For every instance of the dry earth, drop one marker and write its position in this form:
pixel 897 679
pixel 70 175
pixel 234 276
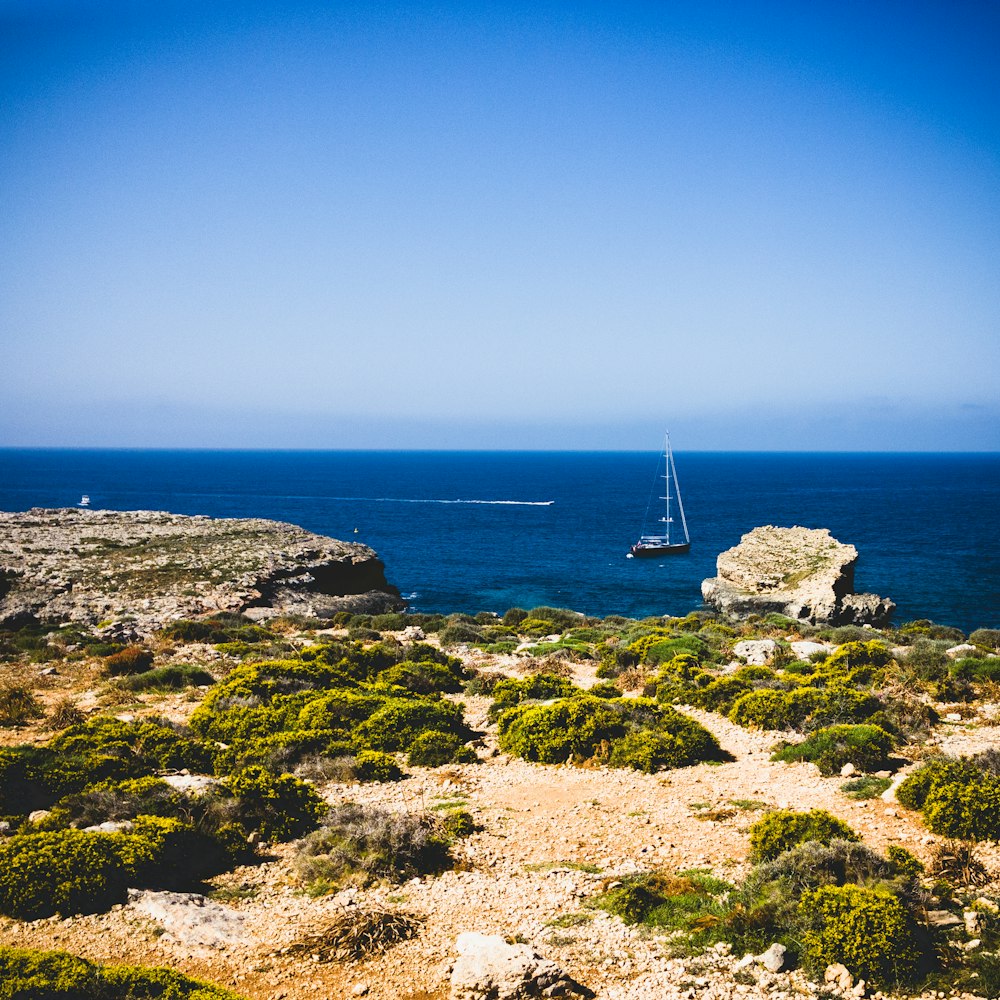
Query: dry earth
pixel 525 875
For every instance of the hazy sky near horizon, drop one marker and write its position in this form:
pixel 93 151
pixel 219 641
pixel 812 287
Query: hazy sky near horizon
pixel 236 224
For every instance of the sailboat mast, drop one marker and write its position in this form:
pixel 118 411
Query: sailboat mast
pixel 680 502
pixel 666 476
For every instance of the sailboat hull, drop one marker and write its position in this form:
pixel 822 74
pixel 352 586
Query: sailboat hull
pixel 652 551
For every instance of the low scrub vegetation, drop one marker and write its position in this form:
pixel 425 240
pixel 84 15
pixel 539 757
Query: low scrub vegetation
pixel 958 798
pixel 578 727
pixel 56 975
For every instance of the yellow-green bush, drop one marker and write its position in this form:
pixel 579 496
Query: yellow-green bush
pixel 866 929
pixel 434 749
pixel 959 798
pixel 626 732
pixel 866 747
pixel 65 871
pixel 783 829
pixel 279 807
pixel 55 975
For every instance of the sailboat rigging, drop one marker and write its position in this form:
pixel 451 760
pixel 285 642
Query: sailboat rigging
pixel 666 540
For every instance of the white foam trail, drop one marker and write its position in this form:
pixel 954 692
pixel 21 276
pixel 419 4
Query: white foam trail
pixel 509 503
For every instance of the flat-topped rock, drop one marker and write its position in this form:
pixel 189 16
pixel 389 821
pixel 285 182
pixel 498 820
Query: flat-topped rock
pixel 803 573
pixel 152 567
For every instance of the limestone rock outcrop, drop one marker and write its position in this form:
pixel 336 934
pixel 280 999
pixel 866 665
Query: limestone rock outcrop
pixel 803 573
pixel 488 968
pixel 147 568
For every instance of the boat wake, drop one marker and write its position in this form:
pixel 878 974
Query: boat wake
pixel 502 503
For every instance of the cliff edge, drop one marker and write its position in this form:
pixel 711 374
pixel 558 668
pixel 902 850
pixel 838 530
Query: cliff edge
pixel 803 573
pixel 152 567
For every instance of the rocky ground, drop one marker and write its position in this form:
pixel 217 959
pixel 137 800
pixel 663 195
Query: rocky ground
pixel 551 837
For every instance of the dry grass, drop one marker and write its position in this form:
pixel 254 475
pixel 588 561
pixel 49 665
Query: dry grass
pixel 356 933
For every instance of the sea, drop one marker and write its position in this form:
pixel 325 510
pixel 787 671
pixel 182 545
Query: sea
pixel 486 531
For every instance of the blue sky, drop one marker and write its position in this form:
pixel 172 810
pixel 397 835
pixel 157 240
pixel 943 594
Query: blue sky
pixel 764 225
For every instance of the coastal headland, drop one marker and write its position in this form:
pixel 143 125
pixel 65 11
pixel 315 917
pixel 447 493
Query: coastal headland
pixel 226 751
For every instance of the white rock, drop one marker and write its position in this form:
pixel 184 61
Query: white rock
pixel 359 989
pixel 973 922
pixel 193 784
pixel 953 717
pixel 803 649
pixel 963 649
pixel 490 969
pixel 839 975
pixel 847 770
pixel 755 651
pixel 110 826
pixel 192 920
pixel 774 958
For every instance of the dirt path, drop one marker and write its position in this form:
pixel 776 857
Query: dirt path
pixel 544 830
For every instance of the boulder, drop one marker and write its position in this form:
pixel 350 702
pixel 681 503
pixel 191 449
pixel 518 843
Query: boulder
pixel 755 651
pixel 962 649
pixel 774 958
pixel 140 570
pixel 488 968
pixel 801 573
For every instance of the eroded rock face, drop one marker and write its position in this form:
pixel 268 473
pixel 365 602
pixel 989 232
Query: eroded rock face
pixel 152 567
pixel 804 573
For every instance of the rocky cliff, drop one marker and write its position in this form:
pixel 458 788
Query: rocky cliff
pixel 151 567
pixel 799 572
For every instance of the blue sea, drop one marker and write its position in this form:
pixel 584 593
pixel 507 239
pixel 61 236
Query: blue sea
pixel 473 531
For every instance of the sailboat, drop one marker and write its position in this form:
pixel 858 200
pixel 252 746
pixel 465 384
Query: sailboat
pixel 667 541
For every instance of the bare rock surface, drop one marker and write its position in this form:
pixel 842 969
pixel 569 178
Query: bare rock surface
pixel 488 968
pixel 804 573
pixel 191 919
pixel 151 567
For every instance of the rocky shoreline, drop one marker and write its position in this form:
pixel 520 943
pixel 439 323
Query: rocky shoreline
pixel 144 569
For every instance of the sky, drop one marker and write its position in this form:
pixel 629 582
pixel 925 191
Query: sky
pixel 761 225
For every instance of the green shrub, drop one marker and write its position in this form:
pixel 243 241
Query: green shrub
pixel 903 862
pixel 866 747
pixel 604 690
pixel 650 751
pixel 18 705
pixel 624 732
pixel 865 787
pixel 398 722
pixel 913 791
pixel 538 687
pixel 456 824
pixel 168 678
pixel 131 660
pixel 964 812
pixel 434 749
pixel 551 734
pixel 365 843
pixel 783 829
pixel 959 798
pixel 425 677
pixel 768 709
pixel 988 638
pixel 139 748
pixel 866 929
pixel 543 686
pixel 55 975
pixel 373 765
pixel 454 635
pixel 66 871
pixel 688 901
pixel 278 807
